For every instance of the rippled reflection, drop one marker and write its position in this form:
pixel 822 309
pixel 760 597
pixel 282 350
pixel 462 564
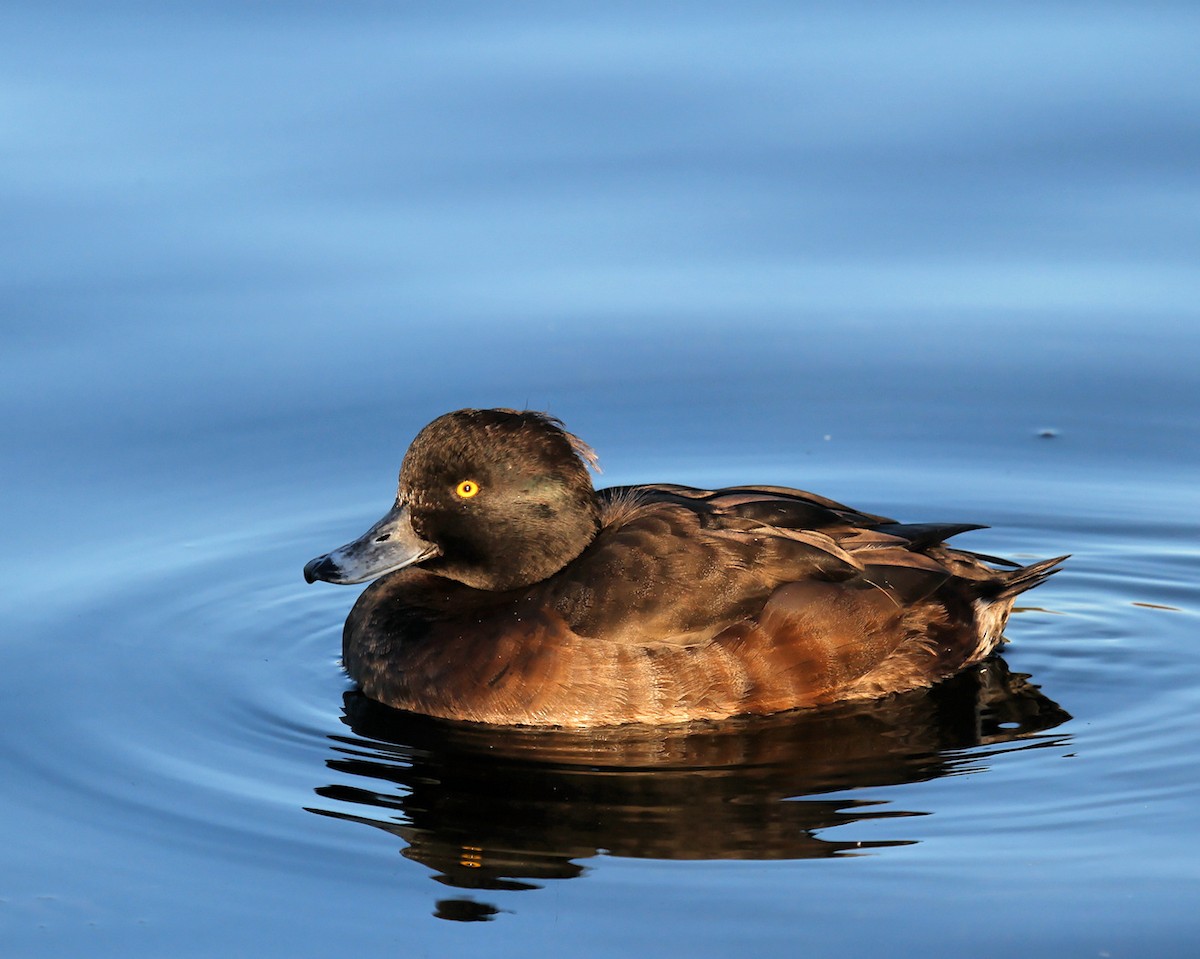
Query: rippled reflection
pixel 505 809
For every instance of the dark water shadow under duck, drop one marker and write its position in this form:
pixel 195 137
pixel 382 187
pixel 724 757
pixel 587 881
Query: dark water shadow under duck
pixel 509 591
pixel 496 808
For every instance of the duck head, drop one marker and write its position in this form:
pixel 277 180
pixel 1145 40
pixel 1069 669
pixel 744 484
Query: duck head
pixel 495 499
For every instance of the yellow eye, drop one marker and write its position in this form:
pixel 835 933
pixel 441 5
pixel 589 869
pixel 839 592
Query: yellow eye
pixel 467 488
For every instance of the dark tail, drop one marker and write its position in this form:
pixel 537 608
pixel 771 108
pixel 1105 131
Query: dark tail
pixel 1028 577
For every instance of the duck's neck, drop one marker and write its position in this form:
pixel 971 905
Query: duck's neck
pixel 535 541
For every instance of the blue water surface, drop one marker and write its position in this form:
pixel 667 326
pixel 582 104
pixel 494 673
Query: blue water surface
pixel 935 260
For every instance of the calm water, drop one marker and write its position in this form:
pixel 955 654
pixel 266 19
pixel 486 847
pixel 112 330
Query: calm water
pixel 938 263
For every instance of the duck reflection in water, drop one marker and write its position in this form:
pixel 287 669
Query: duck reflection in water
pixel 506 809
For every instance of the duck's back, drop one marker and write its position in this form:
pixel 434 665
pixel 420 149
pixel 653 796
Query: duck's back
pixel 691 604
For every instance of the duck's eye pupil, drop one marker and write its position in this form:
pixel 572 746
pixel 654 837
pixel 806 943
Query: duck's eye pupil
pixel 467 488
